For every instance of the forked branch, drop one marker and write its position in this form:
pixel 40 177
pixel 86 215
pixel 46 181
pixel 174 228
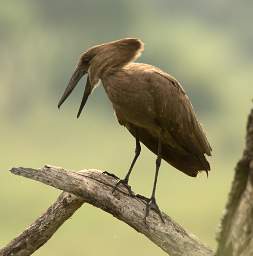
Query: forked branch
pixel 44 227
pixel 95 188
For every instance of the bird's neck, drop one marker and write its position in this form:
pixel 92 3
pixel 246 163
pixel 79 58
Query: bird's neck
pixel 110 61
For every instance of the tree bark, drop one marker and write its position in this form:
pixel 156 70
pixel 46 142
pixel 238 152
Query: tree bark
pixel 92 186
pixel 44 227
pixel 95 188
pixel 236 235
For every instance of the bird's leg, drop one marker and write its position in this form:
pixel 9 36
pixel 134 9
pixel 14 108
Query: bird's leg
pixel 126 179
pixel 151 203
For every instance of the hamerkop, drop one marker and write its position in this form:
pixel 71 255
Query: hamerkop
pixel 150 103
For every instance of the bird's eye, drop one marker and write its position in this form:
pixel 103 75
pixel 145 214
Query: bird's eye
pixel 85 60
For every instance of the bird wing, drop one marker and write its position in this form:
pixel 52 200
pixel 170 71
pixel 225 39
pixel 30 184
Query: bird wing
pixel 184 162
pixel 176 115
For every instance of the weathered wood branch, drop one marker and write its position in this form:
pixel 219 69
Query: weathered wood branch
pixel 236 235
pixel 95 188
pixel 44 227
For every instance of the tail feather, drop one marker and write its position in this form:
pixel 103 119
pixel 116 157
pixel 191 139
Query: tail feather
pixel 185 162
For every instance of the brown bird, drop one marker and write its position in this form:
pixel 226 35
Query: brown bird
pixel 150 103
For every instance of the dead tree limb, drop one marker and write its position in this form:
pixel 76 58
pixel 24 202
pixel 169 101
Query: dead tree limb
pixel 236 235
pixel 44 227
pixel 95 188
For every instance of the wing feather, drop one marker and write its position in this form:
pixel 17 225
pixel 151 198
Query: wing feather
pixel 176 114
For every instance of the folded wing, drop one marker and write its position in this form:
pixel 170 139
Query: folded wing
pixel 184 142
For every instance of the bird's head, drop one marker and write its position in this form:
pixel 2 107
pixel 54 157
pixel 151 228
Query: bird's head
pixel 98 59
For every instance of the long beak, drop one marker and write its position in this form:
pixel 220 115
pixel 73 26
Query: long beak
pixel 86 93
pixel 77 75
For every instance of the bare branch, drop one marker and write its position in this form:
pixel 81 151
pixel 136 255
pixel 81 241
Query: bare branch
pixel 236 235
pixel 96 188
pixel 44 227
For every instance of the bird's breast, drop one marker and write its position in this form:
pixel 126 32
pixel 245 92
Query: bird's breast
pixel 131 99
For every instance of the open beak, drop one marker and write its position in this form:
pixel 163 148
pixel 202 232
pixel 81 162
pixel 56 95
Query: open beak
pixel 86 93
pixel 77 75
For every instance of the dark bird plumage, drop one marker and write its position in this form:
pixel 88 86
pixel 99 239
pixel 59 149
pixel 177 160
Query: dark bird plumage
pixel 150 103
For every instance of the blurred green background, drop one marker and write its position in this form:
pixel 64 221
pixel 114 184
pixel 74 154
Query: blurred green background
pixel 206 45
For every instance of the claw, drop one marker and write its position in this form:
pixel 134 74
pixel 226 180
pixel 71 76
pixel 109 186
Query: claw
pixel 125 183
pixel 151 204
pixel 142 198
pixel 111 174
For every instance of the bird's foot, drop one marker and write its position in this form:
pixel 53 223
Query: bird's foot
pixel 142 198
pixel 125 183
pixel 152 205
pixel 111 174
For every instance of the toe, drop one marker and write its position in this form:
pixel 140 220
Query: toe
pixel 151 204
pixel 110 174
pixel 125 184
